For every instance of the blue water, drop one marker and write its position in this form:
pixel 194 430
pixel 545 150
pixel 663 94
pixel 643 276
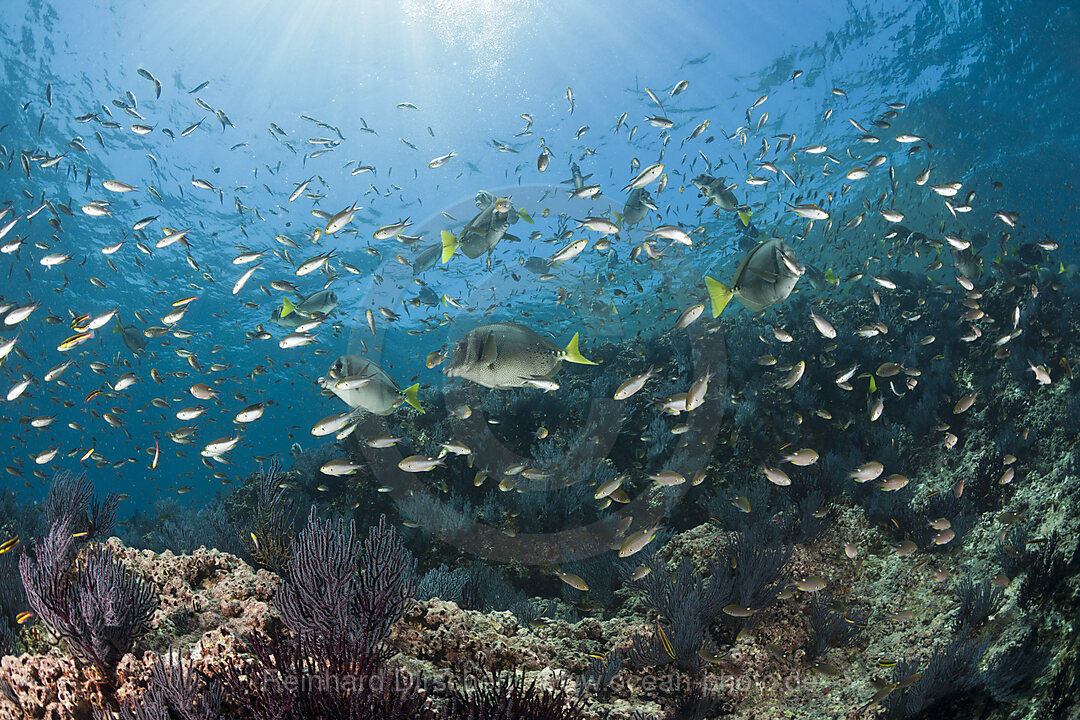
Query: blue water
pixel 994 97
pixel 358 98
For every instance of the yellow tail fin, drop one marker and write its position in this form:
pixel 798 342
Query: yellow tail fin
pixel 745 217
pixel 450 244
pixel 287 307
pixel 573 354
pixel 719 293
pixel 411 396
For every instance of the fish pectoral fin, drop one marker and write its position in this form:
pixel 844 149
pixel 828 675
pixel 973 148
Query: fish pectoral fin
pixel 719 293
pixel 491 351
pixel 764 274
pixel 287 307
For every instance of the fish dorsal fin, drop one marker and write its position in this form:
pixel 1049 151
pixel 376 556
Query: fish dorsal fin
pixel 491 351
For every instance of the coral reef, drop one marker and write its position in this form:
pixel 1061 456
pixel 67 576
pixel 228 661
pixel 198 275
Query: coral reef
pixel 99 612
pixel 823 598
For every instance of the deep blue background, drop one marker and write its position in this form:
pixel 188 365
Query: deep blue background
pixel 991 85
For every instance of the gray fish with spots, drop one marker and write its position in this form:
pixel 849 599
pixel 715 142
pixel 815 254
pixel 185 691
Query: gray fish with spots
pixel 507 355
pixel 636 208
pixel 485 230
pixel 967 263
pixel 427 259
pixel 316 305
pixel 135 340
pixel 816 278
pixel 381 395
pixel 717 191
pixel 766 276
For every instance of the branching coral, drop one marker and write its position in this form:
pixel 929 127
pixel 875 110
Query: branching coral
pixel 978 601
pixel 313 676
pixel 598 675
pixel 753 569
pixel 387 582
pixel 685 609
pixel 100 609
pixel 268 534
pixel 12 602
pixel 338 601
pixel 507 697
pixel 828 628
pixel 338 585
pixel 442 583
pixel 72 497
pixel 174 693
pixel 321 579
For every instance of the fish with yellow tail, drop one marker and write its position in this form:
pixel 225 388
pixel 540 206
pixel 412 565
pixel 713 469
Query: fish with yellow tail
pixel 486 229
pixel 508 355
pixel 766 276
pixel 380 395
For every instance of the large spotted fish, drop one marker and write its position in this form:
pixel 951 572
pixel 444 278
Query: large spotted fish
pixel 508 355
pixel 766 276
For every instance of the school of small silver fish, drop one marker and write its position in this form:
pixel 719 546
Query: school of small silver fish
pixel 320 271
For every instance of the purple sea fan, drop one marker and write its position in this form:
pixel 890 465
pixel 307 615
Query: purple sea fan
pixel 387 582
pixel 338 585
pixel 507 697
pixel 318 676
pixel 100 609
pixel 322 577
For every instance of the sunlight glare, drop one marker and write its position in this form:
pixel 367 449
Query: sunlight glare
pixel 486 28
